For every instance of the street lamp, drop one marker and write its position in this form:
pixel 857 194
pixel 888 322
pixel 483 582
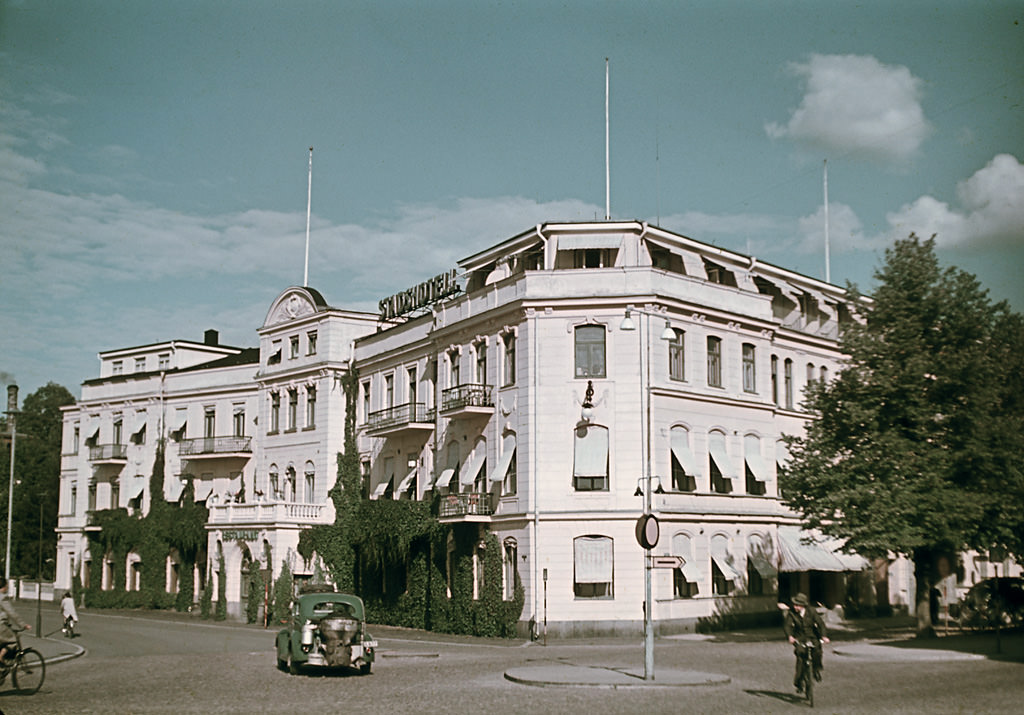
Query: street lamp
pixel 647 527
pixel 12 412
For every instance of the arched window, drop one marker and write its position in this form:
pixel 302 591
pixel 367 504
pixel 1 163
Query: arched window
pixel 509 566
pixel 724 576
pixel 755 469
pixel 310 483
pixel 721 468
pixel 684 466
pixel 275 483
pixel 686 578
pixel 760 569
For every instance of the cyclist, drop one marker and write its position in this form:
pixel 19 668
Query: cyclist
pixel 802 625
pixel 70 613
pixel 8 618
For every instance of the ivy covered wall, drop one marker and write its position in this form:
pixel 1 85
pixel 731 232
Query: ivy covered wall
pixel 395 556
pixel 166 529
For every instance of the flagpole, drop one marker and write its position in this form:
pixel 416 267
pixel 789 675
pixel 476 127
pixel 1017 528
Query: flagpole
pixel 607 170
pixel 309 204
pixel 828 271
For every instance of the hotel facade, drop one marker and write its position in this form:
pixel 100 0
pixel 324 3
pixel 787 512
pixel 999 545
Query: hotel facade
pixel 551 390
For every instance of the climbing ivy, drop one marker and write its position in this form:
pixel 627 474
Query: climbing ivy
pixel 394 554
pixel 152 537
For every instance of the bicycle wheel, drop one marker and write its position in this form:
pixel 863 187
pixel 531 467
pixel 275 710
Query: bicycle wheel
pixel 809 683
pixel 29 671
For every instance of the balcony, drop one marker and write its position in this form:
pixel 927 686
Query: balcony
pixel 215 447
pixel 412 416
pixel 475 506
pixel 108 453
pixel 466 400
pixel 270 513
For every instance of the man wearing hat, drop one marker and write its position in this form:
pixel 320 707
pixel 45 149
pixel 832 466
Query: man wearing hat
pixel 803 624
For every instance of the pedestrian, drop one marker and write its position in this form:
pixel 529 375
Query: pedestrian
pixel 9 620
pixel 70 613
pixel 803 625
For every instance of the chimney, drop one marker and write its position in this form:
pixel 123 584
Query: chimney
pixel 210 337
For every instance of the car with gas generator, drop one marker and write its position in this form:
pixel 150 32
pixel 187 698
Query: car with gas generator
pixel 326 630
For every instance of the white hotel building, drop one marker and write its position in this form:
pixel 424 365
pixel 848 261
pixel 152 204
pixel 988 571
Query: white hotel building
pixel 580 365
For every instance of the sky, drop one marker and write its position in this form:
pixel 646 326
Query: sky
pixel 154 156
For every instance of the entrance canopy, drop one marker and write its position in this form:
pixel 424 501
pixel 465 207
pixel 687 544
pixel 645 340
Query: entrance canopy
pixel 801 550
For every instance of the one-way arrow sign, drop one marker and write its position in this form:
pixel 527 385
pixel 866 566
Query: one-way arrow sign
pixel 667 562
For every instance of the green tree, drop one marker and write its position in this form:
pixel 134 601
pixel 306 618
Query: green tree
pixel 37 475
pixel 917 447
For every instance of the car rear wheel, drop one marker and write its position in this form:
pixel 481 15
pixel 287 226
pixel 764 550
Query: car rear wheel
pixel 364 669
pixel 293 667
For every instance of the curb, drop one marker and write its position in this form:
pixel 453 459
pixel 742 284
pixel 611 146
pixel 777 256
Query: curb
pixel 578 676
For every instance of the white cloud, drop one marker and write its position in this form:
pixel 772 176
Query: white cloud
pixel 991 212
pixel 854 103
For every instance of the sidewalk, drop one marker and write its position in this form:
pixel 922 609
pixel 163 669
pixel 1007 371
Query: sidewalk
pixel 54 649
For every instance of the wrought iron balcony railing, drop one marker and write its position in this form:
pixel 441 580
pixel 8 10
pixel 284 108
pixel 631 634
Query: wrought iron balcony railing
pixel 214 445
pixel 472 504
pixel 461 396
pixel 103 452
pixel 399 415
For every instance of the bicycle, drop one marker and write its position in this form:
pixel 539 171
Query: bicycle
pixel 808 672
pixel 26 667
pixel 69 627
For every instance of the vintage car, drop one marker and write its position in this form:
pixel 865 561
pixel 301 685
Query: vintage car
pixel 327 630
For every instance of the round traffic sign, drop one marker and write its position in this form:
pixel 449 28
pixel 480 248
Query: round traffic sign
pixel 647 531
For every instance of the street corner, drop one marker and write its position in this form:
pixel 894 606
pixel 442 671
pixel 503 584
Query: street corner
pixel 55 650
pixel 555 675
pixel 904 652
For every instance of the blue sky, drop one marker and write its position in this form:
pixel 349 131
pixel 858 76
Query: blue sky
pixel 154 155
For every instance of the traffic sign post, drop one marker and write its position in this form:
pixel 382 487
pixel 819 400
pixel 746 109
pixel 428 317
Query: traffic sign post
pixel 668 562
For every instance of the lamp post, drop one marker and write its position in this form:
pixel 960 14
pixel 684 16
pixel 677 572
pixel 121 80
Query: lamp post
pixel 12 412
pixel 647 527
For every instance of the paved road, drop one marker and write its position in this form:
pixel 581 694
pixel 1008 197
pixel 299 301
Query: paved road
pixel 152 664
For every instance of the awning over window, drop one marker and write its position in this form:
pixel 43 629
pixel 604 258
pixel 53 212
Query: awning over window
pixel 721 458
pixel 757 467
pixel 801 550
pixel 444 478
pixel 690 571
pixel 681 451
pixel 471 467
pixel 137 486
pixel 593 559
pixel 691 262
pixel 379 490
pixel 591 453
pixel 763 567
pixel 501 469
pixel 139 424
pixel 572 243
pixel 727 570
pixel 407 480
pixel 174 488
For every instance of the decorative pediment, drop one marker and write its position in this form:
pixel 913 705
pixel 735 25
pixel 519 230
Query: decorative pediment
pixel 292 304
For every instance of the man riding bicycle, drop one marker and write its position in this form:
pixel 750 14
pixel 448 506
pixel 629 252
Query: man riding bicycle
pixel 8 618
pixel 803 625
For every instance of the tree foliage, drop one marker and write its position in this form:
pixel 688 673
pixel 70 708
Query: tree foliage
pixel 37 480
pixel 917 447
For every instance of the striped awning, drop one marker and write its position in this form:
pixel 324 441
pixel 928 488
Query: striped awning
pixel 801 550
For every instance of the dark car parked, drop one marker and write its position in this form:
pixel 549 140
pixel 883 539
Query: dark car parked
pixel 985 604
